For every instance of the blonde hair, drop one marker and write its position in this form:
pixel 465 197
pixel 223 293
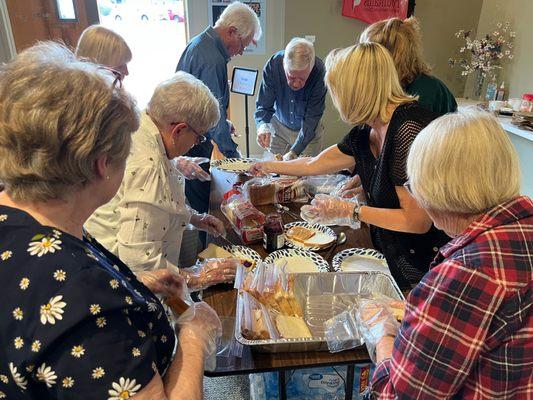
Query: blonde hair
pixel 299 55
pixel 103 46
pixel 57 116
pixel 463 163
pixel 404 41
pixel 241 17
pixel 184 98
pixel 362 81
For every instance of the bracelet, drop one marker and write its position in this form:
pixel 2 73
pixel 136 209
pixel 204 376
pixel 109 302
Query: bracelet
pixel 355 215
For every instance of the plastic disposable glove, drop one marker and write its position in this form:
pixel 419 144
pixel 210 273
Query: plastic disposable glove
pixel 210 272
pixel 232 130
pixel 200 327
pixel 260 168
pixel 209 224
pixel 328 210
pixel 264 133
pixel 290 155
pixel 164 282
pixel 190 168
pixel 375 321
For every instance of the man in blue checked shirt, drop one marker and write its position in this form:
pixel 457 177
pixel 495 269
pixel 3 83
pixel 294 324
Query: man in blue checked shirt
pixel 291 102
pixel 206 57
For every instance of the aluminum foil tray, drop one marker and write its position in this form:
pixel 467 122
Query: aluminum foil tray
pixel 322 296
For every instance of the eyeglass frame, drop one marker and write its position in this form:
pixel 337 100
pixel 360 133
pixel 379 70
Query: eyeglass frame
pixel 407 186
pixel 118 76
pixel 199 137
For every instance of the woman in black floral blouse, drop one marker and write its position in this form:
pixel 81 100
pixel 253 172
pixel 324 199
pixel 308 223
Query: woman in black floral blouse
pixel 75 322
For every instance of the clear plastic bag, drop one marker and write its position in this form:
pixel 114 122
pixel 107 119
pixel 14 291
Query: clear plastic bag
pixel 275 190
pixel 328 184
pixel 341 331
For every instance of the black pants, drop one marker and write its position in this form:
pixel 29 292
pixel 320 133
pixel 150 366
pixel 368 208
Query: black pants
pixel 197 192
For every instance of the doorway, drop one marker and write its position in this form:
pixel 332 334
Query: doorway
pixel 156 33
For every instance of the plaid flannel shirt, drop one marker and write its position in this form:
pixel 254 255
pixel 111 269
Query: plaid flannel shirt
pixel 468 327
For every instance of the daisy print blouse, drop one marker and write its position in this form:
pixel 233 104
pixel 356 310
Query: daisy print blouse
pixel 74 322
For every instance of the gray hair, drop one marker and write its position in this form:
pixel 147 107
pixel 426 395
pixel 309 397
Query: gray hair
pixel 241 17
pixel 57 116
pixel 299 55
pixel 463 163
pixel 184 98
pixel 103 46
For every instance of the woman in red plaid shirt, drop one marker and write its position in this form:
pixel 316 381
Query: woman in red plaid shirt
pixel 468 326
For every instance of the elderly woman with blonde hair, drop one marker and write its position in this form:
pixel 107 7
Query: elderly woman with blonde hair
pixel 75 321
pixel 144 223
pixel 364 86
pixel 466 332
pixel 106 47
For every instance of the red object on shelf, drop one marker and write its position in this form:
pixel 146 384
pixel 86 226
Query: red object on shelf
pixel 371 11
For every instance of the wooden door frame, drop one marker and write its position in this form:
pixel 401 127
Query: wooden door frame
pixel 6 34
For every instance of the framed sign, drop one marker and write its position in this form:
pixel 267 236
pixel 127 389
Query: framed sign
pixel 215 8
pixel 243 81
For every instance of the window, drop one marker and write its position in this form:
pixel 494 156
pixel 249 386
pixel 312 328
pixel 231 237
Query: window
pixel 66 10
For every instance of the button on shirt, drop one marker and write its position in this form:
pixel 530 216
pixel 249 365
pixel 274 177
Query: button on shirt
pixel 144 223
pixel 299 110
pixel 206 58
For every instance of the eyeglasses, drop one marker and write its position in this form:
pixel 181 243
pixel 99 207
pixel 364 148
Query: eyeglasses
pixel 118 76
pixel 407 186
pixel 199 137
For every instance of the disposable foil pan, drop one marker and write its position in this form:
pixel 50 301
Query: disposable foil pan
pixel 322 296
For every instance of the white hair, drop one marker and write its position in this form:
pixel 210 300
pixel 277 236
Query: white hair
pixel 463 163
pixel 299 55
pixel 184 98
pixel 241 17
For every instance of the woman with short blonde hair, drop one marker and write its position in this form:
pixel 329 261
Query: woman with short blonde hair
pixel 106 47
pixel 467 323
pixel 403 39
pixel 365 89
pixel 65 133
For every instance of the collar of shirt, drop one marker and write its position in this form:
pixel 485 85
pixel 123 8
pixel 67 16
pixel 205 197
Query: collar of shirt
pixel 503 214
pixel 211 33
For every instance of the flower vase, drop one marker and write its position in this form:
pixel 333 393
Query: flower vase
pixel 478 86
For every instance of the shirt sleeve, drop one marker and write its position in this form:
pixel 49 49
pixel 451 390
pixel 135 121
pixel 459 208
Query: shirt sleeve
pixel 267 96
pixel 89 344
pixel 442 336
pixel 215 78
pixel 403 139
pixel 146 213
pixel 313 113
pixel 345 145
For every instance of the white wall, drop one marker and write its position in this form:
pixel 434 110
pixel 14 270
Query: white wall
pixel 274 31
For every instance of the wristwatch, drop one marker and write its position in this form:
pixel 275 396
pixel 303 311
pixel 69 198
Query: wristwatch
pixel 355 215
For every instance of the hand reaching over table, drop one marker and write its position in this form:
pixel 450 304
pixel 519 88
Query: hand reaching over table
pixel 328 210
pixel 190 168
pixel 260 168
pixel 211 272
pixel 164 282
pixel 209 224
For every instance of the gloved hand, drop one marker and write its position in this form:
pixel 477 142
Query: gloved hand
pixel 328 210
pixel 199 327
pixel 264 133
pixel 290 155
pixel 164 282
pixel 375 321
pixel 232 129
pixel 260 168
pixel 209 224
pixel 210 272
pixel 190 168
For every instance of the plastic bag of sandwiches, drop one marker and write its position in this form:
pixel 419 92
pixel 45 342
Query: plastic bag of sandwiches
pixel 274 290
pixel 247 220
pixel 275 190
